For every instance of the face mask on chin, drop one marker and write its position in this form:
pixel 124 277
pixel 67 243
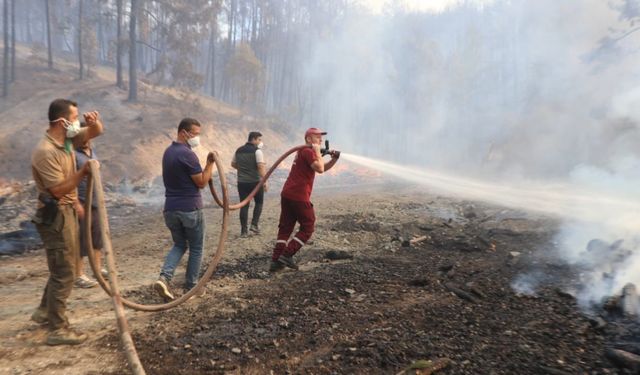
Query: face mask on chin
pixel 260 145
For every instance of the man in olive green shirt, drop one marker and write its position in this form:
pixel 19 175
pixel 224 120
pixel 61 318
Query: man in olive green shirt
pixel 56 218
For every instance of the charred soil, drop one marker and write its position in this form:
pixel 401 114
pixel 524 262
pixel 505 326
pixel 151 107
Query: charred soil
pixel 388 279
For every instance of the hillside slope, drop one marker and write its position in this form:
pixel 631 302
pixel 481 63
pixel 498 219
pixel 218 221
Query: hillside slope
pixel 136 134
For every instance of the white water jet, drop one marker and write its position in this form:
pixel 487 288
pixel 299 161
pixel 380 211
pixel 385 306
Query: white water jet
pixel 562 200
pixel 587 214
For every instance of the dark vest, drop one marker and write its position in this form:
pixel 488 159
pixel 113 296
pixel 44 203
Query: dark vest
pixel 246 163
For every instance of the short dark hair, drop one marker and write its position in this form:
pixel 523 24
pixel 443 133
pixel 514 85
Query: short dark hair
pixel 60 108
pixel 254 135
pixel 187 123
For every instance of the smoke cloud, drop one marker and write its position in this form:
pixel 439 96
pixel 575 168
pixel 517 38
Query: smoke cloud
pixel 521 93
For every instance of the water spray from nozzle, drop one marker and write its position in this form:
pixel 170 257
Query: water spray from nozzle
pixel 562 200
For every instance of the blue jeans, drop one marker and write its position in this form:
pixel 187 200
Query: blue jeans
pixel 187 231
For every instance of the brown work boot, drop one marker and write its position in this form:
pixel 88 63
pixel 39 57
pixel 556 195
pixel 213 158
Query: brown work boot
pixel 65 336
pixel 162 287
pixel 40 316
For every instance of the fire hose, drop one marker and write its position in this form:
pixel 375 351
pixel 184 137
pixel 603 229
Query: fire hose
pixel 112 288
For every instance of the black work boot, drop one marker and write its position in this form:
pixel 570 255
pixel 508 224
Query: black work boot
pixel 276 266
pixel 288 261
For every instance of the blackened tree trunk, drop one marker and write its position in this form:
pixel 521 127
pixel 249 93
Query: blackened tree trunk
pixel 212 59
pixel 133 77
pixel 13 40
pixel 48 16
pixel 119 81
pixel 27 16
pixel 231 19
pixel 100 38
pixel 80 62
pixel 233 23
pixel 5 68
pixel 254 24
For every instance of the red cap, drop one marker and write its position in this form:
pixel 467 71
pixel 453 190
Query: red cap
pixel 313 131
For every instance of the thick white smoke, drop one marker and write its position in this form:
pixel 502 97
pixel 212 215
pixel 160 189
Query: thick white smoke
pixel 515 91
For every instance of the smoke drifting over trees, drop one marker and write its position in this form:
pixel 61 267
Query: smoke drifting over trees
pixel 468 87
pixel 517 89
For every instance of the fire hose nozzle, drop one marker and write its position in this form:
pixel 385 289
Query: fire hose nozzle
pixel 325 151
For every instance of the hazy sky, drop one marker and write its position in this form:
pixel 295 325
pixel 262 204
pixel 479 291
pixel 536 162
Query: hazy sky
pixel 377 6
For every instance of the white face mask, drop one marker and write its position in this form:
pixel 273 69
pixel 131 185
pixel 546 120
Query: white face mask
pixel 73 128
pixel 260 145
pixel 194 141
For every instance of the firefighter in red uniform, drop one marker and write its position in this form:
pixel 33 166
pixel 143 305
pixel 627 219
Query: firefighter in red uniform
pixel 295 200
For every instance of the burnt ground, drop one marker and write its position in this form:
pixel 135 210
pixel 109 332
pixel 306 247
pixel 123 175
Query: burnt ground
pixel 418 277
pixel 375 314
pixel 392 304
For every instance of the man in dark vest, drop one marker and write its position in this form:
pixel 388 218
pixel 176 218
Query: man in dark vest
pixel 249 161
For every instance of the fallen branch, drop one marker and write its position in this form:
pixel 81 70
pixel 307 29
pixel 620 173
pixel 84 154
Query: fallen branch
pixel 461 293
pixel 553 371
pixel 418 239
pixel 426 367
pixel 631 347
pixel 623 359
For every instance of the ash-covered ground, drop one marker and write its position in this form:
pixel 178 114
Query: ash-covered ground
pixel 393 276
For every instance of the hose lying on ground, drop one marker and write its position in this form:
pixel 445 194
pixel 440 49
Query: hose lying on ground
pixel 113 289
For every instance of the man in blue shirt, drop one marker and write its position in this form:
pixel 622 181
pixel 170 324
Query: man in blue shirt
pixel 183 178
pixel 85 152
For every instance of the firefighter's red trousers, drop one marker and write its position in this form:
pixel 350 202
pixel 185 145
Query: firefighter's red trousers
pixel 290 213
